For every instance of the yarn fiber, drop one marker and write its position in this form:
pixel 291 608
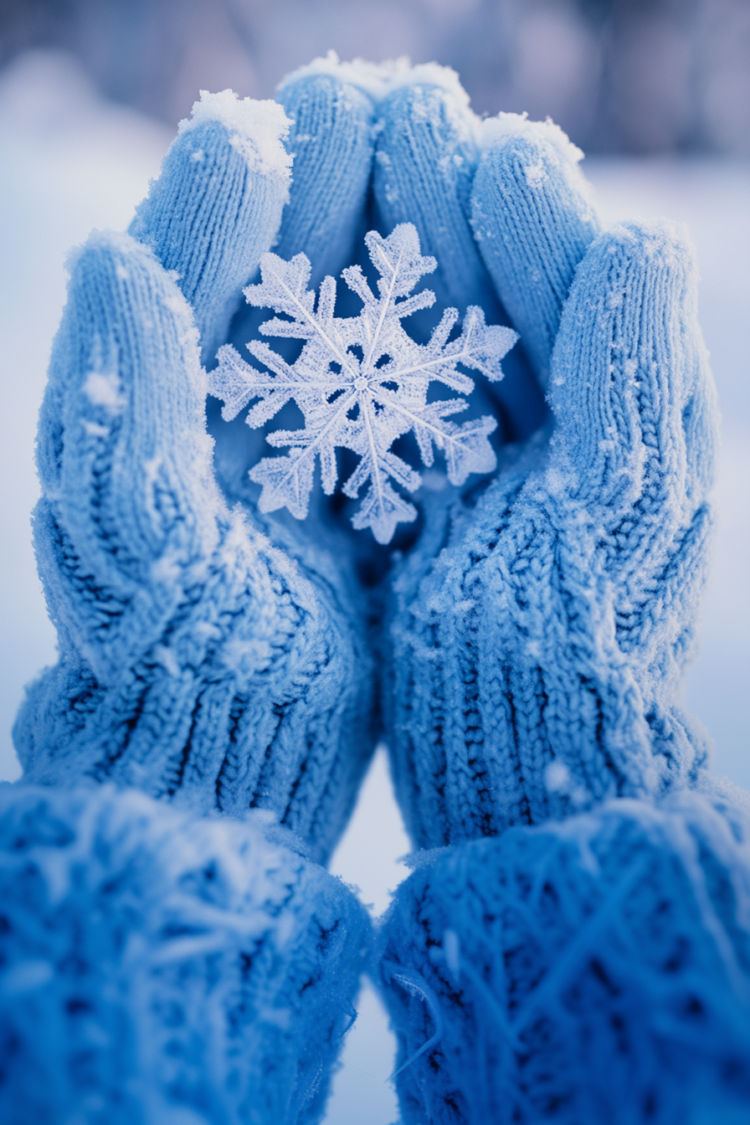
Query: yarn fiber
pixel 593 970
pixel 162 968
pixel 198 662
pixel 540 627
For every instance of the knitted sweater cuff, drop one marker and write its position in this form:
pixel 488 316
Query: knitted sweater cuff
pixel 592 970
pixel 158 967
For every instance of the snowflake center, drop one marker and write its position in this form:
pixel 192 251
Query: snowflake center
pixel 361 383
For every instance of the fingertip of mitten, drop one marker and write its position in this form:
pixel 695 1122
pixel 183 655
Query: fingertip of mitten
pixel 331 138
pixel 630 372
pixel 654 244
pixel 257 130
pixel 426 155
pixel 126 324
pixel 434 103
pixel 217 204
pixel 515 132
pixel 533 218
pixel 378 80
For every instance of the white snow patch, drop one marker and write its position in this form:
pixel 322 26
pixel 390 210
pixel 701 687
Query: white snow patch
pixel 167 659
pixel 546 132
pixel 378 80
pixel 535 174
pixel 93 429
pixel 105 390
pixel 256 129
pixel 557 777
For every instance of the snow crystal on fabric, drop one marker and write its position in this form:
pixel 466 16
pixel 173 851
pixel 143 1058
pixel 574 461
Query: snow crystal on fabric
pixel 361 383
pixel 256 129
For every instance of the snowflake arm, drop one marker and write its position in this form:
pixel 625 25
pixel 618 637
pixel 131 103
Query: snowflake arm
pixel 361 383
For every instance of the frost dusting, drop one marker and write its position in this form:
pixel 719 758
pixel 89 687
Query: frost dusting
pixel 256 129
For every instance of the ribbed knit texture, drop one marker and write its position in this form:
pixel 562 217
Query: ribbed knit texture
pixel 158 969
pixel 540 627
pixel 533 220
pixel 588 972
pixel 425 161
pixel 197 661
pixel 211 214
pixel 331 137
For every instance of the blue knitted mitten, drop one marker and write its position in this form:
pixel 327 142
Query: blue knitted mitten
pixel 198 661
pixel 164 968
pixel 592 970
pixel 540 627
pixel 156 963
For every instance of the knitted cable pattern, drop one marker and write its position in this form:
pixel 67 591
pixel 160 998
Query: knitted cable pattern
pixel 540 627
pixel 589 971
pixel 160 968
pixel 198 662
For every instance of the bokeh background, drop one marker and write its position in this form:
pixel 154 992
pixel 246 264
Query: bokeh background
pixel 657 92
pixel 635 76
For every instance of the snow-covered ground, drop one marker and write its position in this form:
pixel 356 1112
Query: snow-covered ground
pixel 72 162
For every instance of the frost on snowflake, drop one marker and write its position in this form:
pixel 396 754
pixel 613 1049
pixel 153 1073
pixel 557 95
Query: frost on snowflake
pixel 361 383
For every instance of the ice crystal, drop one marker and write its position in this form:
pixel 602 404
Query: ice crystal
pixel 361 383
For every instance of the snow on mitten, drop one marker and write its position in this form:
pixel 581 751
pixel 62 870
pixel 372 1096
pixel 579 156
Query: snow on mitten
pixel 592 970
pixel 166 969
pixel 540 627
pixel 198 661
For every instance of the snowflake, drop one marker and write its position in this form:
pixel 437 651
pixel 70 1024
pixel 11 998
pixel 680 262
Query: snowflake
pixel 361 383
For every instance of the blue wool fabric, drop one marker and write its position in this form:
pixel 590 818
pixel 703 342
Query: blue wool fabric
pixel 540 627
pixel 428 150
pixel 162 963
pixel 533 219
pixel 161 969
pixel 216 207
pixel 331 138
pixel 592 971
pixel 198 662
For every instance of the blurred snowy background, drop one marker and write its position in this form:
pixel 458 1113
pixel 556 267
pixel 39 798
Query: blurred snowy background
pixel 656 91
